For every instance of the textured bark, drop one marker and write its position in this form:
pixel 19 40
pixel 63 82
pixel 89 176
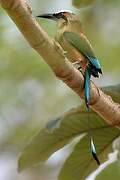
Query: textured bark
pixel 21 13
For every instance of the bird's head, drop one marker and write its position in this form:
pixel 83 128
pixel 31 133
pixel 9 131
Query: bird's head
pixel 61 17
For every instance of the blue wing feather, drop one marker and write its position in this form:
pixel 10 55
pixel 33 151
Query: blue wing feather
pixel 94 61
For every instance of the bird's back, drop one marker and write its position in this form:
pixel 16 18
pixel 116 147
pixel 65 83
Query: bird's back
pixel 72 53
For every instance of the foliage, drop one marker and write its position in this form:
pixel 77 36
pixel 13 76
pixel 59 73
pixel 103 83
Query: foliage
pixel 82 3
pixel 112 171
pixel 62 131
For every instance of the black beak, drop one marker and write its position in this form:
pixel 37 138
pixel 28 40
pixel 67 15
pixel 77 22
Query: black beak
pixel 55 16
pixel 48 16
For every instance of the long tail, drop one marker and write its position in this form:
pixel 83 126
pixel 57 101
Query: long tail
pixel 87 85
pixel 87 100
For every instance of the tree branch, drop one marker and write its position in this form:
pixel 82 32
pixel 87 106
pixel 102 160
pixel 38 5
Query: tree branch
pixel 21 13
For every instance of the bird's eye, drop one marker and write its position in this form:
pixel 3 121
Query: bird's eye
pixel 60 15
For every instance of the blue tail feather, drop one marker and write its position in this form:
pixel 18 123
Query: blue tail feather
pixel 87 101
pixel 93 151
pixel 87 85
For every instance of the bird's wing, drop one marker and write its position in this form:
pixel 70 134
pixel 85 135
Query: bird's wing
pixel 82 44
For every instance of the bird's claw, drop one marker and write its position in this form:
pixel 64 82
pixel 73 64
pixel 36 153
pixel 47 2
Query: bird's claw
pixel 77 65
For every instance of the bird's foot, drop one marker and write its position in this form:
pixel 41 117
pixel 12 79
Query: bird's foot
pixel 77 65
pixel 65 53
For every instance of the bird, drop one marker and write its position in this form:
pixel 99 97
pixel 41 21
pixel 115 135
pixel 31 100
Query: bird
pixel 71 36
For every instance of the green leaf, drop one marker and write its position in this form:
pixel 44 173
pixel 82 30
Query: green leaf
pixel 82 3
pixel 46 142
pixel 112 171
pixel 80 163
pixel 56 135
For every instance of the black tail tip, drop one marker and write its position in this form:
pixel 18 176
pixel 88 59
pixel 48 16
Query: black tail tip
pixel 96 158
pixel 87 104
pixel 100 71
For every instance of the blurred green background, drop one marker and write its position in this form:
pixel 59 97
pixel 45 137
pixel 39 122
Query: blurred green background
pixel 30 94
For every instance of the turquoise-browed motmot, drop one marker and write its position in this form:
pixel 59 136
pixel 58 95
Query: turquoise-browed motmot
pixel 78 49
